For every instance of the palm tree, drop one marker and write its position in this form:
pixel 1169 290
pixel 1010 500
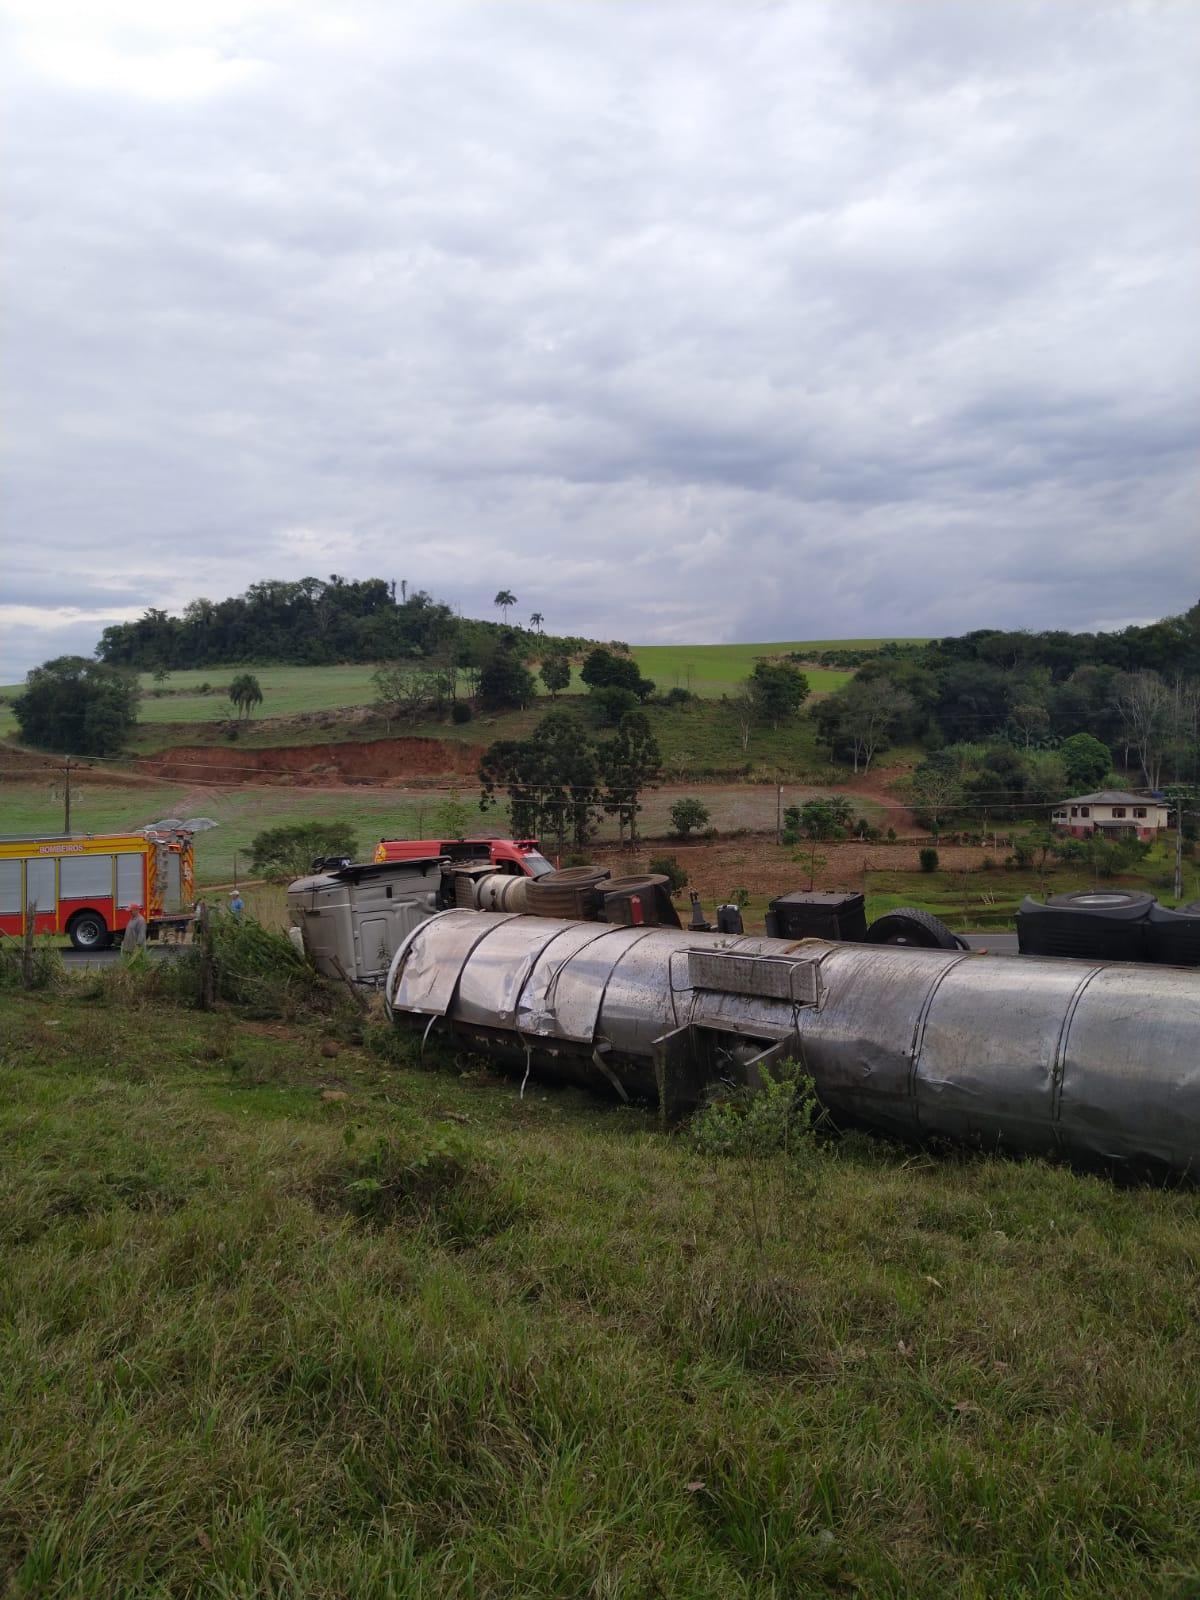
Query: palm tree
pixel 505 599
pixel 245 693
pixel 536 621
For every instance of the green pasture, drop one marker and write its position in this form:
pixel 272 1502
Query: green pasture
pixel 709 670
pixel 243 810
pixel 717 669
pixel 240 812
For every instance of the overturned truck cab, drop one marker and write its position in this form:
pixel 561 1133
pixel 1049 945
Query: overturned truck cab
pixel 1099 1061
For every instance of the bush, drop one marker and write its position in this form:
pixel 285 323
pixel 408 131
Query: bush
pixel 688 816
pixel 505 682
pixel 781 1117
pixel 613 702
pixel 669 868
pixel 289 851
pixel 929 859
pixel 678 697
pixel 47 969
pixel 253 966
pixel 827 817
pixel 424 1177
pixel 461 712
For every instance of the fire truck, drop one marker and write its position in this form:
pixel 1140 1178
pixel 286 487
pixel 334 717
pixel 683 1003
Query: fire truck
pixel 522 856
pixel 86 885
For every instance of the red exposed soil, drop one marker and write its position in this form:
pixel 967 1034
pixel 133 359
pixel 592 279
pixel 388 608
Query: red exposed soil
pixel 22 766
pixel 376 761
pixel 765 868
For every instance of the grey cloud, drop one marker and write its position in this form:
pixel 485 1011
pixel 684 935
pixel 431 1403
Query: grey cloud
pixel 889 315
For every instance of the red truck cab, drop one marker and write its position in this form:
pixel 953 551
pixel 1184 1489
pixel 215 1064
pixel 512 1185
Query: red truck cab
pixel 518 856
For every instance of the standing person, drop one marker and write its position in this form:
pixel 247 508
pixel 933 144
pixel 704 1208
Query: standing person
pixel 236 904
pixel 134 938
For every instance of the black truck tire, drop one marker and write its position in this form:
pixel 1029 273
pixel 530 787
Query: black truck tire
pixel 1125 905
pixel 570 892
pixel 919 929
pixel 87 930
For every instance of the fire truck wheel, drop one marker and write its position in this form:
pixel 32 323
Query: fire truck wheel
pixel 88 931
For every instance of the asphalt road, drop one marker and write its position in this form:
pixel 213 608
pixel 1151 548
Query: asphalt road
pixel 996 944
pixel 76 959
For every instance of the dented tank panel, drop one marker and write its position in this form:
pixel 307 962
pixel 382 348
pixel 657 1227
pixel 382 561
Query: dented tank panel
pixel 1099 1060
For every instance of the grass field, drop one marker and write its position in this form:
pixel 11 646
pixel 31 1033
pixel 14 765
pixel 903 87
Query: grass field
pixel 428 1340
pixel 709 670
pixel 716 669
pixel 245 810
pixel 241 812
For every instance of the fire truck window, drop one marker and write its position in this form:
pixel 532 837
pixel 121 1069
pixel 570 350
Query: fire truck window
pixel 85 878
pixel 39 883
pixel 10 888
pixel 129 880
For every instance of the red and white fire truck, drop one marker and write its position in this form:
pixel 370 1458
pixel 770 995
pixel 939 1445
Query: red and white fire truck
pixel 86 885
pixel 506 855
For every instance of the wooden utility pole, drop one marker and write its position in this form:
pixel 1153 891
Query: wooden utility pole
pixel 68 768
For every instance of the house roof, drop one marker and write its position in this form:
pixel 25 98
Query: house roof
pixel 1112 797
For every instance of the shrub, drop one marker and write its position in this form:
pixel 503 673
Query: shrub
pixel 780 1117
pixel 678 697
pixel 289 851
pixel 827 817
pixel 738 897
pixel 688 816
pixel 669 868
pixel 252 966
pixel 929 859
pixel 425 1177
pixel 613 702
pixel 47 969
pixel 461 712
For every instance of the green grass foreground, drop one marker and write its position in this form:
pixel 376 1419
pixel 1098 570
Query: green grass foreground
pixel 433 1340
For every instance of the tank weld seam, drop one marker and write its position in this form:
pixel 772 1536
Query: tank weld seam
pixel 552 984
pixel 1059 1062
pixel 532 963
pixel 918 1038
pixel 506 916
pixel 644 934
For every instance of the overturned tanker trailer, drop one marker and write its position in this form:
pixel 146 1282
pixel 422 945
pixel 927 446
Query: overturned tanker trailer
pixel 1099 1061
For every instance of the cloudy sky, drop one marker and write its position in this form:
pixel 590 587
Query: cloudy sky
pixel 685 322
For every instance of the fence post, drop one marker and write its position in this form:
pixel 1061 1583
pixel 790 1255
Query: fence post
pixel 208 973
pixel 27 946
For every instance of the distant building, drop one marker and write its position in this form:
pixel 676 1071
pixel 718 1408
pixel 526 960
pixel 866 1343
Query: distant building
pixel 1111 812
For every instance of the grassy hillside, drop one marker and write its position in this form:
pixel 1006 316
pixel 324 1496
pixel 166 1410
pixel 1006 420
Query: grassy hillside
pixel 716 669
pixel 709 670
pixel 429 1339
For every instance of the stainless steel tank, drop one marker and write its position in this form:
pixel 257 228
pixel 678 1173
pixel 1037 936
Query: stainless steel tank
pixel 1098 1060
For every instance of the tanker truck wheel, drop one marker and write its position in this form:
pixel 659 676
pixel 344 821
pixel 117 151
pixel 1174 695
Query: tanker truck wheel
pixel 916 928
pixel 1123 903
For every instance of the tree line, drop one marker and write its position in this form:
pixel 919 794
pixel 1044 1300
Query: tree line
pixel 312 622
pixel 1032 692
